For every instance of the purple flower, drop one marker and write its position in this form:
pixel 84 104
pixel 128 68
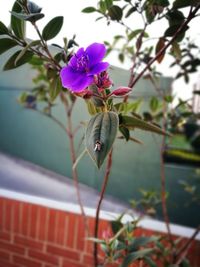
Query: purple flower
pixel 82 67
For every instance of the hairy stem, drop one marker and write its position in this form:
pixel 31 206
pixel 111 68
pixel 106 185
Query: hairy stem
pixel 105 181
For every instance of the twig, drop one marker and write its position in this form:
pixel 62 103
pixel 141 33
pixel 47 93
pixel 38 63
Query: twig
pixel 184 250
pixel 105 181
pixel 189 18
pixel 162 165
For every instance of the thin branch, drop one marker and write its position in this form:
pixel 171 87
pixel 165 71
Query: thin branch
pixel 184 250
pixel 105 181
pixel 186 22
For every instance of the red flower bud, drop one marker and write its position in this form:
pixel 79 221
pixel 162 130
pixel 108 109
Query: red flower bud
pixel 121 91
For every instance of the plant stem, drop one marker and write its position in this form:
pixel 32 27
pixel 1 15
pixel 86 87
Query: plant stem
pixel 184 250
pixel 70 133
pixel 162 164
pixel 105 181
pixel 186 22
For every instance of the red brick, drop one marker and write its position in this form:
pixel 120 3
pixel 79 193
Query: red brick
pixel 34 218
pixel 75 255
pixel 43 257
pixel 4 255
pixel 25 218
pixel 61 228
pixel 71 231
pixel 52 225
pixel 26 262
pixel 16 216
pixel 43 216
pixel 5 236
pixel 25 242
pixel 72 264
pixel 8 218
pixel 80 240
pixel 7 264
pixel 88 259
pixel 1 212
pixel 12 248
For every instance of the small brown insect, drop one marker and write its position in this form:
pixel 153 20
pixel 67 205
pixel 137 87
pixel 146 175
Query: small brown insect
pixel 97 146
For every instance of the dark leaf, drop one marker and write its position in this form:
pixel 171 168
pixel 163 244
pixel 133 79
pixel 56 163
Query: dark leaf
pixel 176 50
pixel 115 13
pixel 17 25
pixel 175 17
pixel 52 28
pixel 89 9
pixel 185 3
pixel 116 226
pixel 10 64
pixel 135 256
pixel 3 28
pixel 125 132
pixel 108 3
pixel 121 57
pixel 135 122
pixel 96 100
pixel 130 11
pixel 100 135
pixel 141 241
pixel 150 262
pixel 6 44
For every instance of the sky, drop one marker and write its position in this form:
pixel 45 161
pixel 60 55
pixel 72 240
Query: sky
pixel 88 31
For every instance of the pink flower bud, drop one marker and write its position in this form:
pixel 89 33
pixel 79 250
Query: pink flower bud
pixel 121 91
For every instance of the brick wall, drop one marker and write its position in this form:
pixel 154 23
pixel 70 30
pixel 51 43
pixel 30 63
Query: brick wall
pixel 36 236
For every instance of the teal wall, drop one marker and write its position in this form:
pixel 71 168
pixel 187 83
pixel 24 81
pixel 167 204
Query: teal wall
pixel 34 137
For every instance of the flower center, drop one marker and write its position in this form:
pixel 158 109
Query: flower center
pixel 82 63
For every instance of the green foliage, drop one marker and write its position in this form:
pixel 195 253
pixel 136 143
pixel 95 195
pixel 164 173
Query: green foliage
pixel 89 9
pixel 132 257
pixel 52 28
pixel 3 29
pixel 6 44
pixel 14 61
pixel 17 25
pixel 31 17
pixel 135 122
pixel 100 135
pixel 115 13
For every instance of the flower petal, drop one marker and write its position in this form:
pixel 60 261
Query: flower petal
pixel 98 68
pixel 82 83
pixel 95 52
pixel 73 80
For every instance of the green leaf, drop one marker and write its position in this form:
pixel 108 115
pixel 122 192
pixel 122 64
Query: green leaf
pixel 55 88
pixel 17 25
pixel 33 17
pixel 10 64
pixel 6 44
pixel 125 132
pixel 175 17
pixel 116 226
pixel 108 3
pixel 23 51
pixel 115 13
pixel 3 28
pixel 135 256
pixel 133 34
pixel 96 100
pixel 100 135
pixel 150 262
pixel 176 50
pixel 91 107
pixel 154 104
pixel 130 11
pixel 52 28
pixel 141 241
pixel 135 122
pixel 89 9
pixel 185 3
